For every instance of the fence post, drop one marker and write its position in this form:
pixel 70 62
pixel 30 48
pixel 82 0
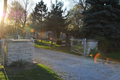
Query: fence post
pixel 2 52
pixel 84 46
pixel 33 47
pixel 2 56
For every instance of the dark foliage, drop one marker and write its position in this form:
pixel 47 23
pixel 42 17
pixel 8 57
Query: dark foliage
pixel 55 20
pixel 39 13
pixel 38 16
pixel 59 42
pixel 103 20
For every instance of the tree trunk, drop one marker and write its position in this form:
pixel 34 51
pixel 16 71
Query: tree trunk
pixel 25 14
pixel 41 26
pixel 2 19
pixel 67 43
pixel 41 35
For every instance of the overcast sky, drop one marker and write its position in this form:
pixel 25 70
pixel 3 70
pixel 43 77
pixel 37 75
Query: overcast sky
pixel 67 3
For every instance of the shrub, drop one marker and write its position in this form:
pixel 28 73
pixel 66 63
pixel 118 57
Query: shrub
pixel 104 44
pixel 59 42
pixel 34 38
pixel 20 63
pixel 94 51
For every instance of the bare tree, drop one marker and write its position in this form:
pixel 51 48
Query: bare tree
pixel 83 4
pixel 27 8
pixel 27 5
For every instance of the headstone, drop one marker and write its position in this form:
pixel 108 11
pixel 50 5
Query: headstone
pixel 28 33
pixel 50 35
pixel 68 39
pixel 64 36
pixel 72 37
pixel 19 37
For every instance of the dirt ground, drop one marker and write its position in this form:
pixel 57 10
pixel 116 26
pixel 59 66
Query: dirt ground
pixel 73 67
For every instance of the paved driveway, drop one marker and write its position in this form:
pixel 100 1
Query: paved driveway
pixel 72 67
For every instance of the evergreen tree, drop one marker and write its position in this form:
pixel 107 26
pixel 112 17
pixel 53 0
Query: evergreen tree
pixel 103 20
pixel 39 15
pixel 55 20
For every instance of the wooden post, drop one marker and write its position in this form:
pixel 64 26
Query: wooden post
pixel 2 19
pixel 51 42
pixel 84 46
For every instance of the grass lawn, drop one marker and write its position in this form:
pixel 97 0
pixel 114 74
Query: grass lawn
pixel 55 47
pixel 39 72
pixel 113 56
pixel 32 72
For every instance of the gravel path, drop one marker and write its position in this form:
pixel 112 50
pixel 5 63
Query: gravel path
pixel 72 67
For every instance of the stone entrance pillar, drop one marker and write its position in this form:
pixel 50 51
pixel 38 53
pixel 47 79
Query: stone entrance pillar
pixel 90 44
pixel 21 49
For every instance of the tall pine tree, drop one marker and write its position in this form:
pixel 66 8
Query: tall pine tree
pixel 55 20
pixel 39 15
pixel 103 20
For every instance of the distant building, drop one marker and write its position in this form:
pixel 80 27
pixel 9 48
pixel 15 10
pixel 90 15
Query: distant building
pixel 46 35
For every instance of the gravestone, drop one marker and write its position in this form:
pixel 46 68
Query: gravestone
pixel 28 36
pixel 67 43
pixel 50 35
pixel 19 37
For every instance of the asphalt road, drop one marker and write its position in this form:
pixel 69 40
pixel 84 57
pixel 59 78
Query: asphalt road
pixel 72 67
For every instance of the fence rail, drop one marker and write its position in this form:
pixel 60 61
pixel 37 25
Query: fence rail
pixel 78 46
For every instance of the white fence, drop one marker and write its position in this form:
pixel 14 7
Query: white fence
pixel 83 46
pixel 78 46
pixel 2 51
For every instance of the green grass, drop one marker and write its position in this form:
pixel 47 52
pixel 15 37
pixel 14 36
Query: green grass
pixel 55 47
pixel 40 72
pixel 0 57
pixel 34 72
pixel 114 56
